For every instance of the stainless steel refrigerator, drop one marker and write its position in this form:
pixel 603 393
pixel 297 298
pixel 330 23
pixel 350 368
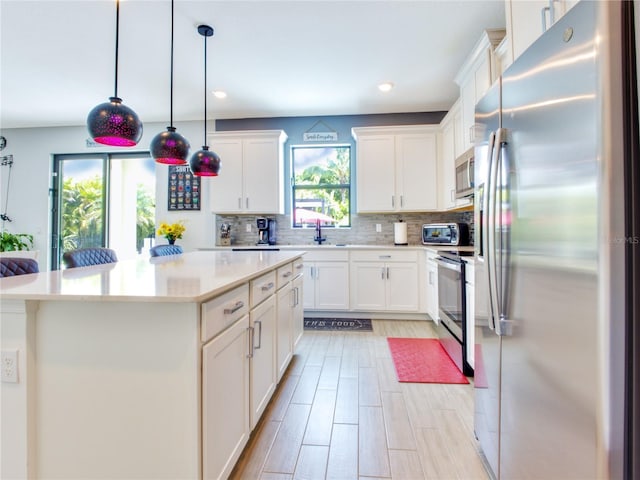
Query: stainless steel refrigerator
pixel 557 275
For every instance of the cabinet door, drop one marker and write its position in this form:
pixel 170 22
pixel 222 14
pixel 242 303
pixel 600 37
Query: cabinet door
pixel 332 285
pixel 263 361
pixel 402 287
pixel 447 171
pixel 468 103
pixel 416 172
pixel 368 285
pixel 225 400
pixel 297 315
pixel 375 179
pixel 226 195
pixel 284 344
pixel 309 299
pixel 432 290
pixel 263 188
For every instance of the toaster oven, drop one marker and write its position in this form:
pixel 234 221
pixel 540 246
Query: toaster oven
pixel 445 234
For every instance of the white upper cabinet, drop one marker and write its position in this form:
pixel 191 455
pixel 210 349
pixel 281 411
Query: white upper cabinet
pixel 451 147
pixel 475 77
pixel 528 19
pixel 251 178
pixel 396 168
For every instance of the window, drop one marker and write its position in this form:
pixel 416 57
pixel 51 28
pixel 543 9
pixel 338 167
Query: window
pixel 103 200
pixel 321 185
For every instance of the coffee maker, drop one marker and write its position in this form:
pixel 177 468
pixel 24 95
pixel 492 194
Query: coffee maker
pixel 266 231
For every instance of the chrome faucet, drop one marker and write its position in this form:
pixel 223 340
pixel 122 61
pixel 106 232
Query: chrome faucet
pixel 319 238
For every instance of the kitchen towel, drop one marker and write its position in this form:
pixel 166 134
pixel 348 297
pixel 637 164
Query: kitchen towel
pixel 423 360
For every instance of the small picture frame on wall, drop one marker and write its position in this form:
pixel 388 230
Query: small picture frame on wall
pixel 184 189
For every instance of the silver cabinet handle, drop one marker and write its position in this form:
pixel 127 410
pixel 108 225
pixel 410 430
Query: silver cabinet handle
pixel 259 323
pixel 393 201
pixel 268 286
pixel 382 257
pixel 297 296
pixel 239 202
pixel 300 266
pixel 250 332
pixel 402 200
pixel 246 201
pixel 239 304
pixel 387 273
pixel 472 134
pixel 382 273
pixel 287 275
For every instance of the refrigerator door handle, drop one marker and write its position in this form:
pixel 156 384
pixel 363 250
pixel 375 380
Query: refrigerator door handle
pixel 486 228
pixel 492 251
pixel 499 192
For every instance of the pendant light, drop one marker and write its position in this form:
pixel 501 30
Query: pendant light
pixel 112 123
pixel 170 147
pixel 205 163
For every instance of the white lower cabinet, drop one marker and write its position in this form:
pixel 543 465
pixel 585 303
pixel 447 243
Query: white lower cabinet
pixel 385 281
pixel 290 318
pixel 225 400
pixel 326 280
pixel 262 369
pixel 432 286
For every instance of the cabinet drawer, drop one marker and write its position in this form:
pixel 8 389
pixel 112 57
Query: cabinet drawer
pixel 298 267
pixel 223 311
pixel 284 275
pixel 262 287
pixel 385 256
pixel 319 255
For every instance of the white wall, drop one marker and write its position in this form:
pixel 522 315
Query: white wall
pixel 29 201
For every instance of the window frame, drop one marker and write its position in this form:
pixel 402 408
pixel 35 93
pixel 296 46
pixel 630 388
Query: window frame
pixel 294 187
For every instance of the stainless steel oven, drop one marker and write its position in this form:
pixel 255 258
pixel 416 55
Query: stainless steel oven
pixel 452 308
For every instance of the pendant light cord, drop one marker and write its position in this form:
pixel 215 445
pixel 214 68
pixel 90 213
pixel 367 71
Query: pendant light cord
pixel 117 37
pixel 205 92
pixel 171 94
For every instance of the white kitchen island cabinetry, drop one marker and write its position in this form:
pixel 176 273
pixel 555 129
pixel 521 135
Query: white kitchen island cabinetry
pixel 385 280
pixel 253 166
pixel 326 280
pixel 289 310
pixel 474 78
pixel 396 168
pixel 141 368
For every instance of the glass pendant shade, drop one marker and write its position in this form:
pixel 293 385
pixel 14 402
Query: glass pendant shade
pixel 170 147
pixel 112 123
pixel 205 163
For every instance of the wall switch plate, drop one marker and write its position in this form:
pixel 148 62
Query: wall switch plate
pixel 378 227
pixel 9 366
pixel 248 228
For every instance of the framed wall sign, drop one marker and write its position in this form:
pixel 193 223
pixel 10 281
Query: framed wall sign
pixel 184 189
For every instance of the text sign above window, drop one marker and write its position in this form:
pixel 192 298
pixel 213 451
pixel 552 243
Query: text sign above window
pixel 320 136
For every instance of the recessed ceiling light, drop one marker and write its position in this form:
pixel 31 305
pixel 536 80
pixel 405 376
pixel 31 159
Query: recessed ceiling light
pixel 385 87
pixel 219 94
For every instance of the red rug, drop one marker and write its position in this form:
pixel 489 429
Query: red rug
pixel 423 360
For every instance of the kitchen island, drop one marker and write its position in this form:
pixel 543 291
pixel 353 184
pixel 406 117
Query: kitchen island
pixel 118 364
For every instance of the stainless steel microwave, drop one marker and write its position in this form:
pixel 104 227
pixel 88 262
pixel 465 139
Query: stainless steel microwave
pixel 445 234
pixel 464 174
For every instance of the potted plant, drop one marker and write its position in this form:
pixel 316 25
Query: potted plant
pixel 171 231
pixel 17 245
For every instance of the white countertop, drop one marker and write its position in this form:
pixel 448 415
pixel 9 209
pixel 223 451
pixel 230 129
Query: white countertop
pixel 189 277
pixel 339 246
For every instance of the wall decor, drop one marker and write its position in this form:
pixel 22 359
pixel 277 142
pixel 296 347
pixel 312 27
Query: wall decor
pixel 184 188
pixel 320 136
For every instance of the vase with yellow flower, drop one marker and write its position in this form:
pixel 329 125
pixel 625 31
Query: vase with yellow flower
pixel 171 231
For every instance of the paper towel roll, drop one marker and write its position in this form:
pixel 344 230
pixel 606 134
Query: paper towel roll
pixel 400 233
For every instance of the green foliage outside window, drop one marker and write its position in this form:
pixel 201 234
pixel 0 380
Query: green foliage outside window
pixel 321 185
pixel 82 214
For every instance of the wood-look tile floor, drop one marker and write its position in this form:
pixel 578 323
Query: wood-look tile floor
pixel 340 413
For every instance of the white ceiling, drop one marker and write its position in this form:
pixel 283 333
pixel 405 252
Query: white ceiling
pixel 273 58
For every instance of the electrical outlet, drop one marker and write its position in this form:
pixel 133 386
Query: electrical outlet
pixel 378 227
pixel 248 228
pixel 9 366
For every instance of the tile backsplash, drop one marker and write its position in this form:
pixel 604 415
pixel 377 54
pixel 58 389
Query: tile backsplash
pixel 361 232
